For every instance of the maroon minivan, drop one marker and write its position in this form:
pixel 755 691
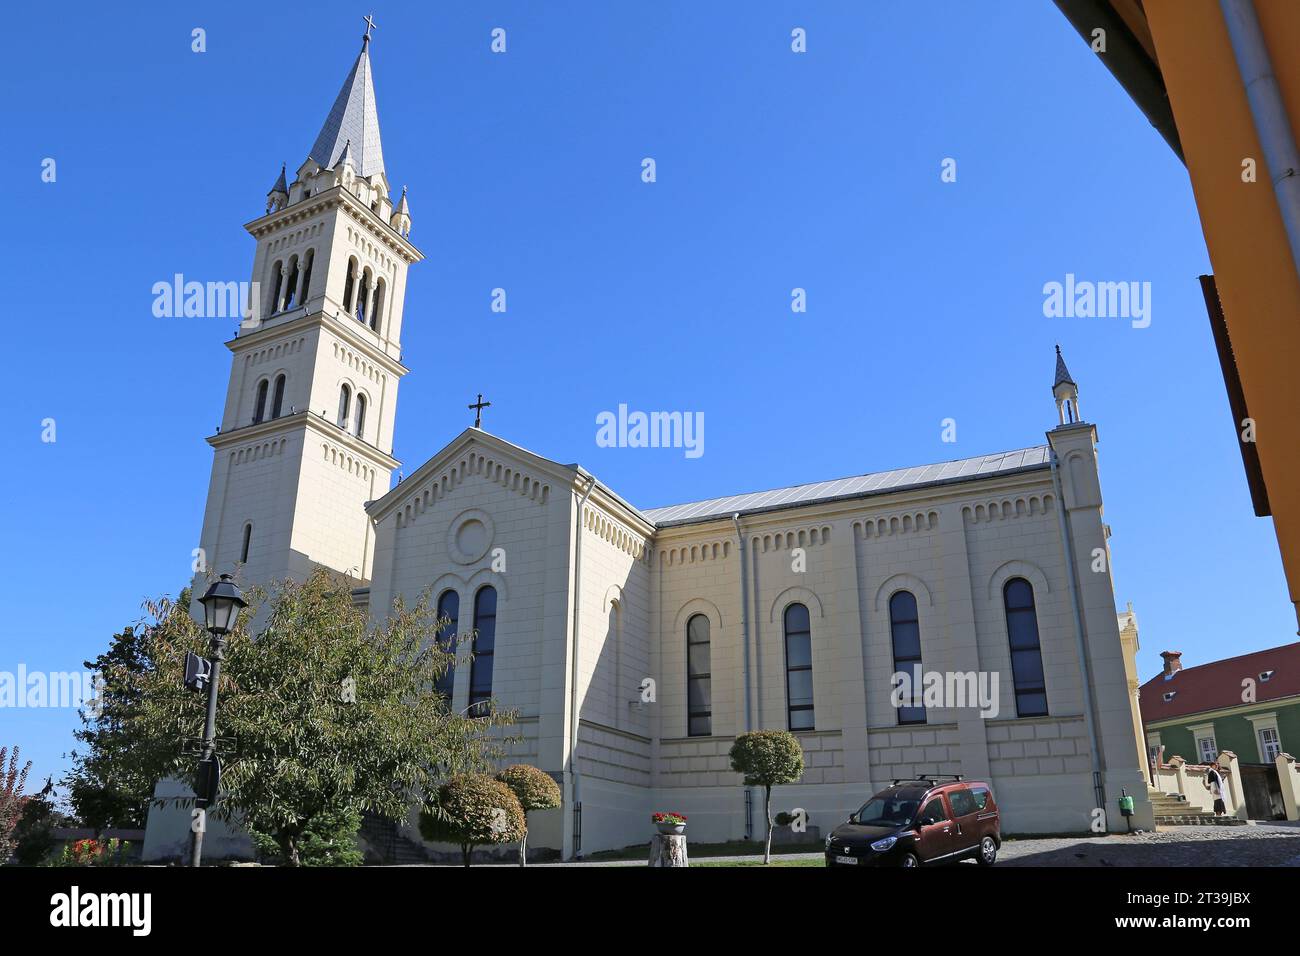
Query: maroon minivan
pixel 922 821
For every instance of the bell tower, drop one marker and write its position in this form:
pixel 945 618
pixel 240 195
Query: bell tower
pixel 306 436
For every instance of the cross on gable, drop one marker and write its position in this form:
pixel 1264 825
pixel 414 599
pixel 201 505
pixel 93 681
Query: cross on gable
pixel 478 410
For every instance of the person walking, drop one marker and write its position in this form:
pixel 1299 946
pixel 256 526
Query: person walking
pixel 1214 783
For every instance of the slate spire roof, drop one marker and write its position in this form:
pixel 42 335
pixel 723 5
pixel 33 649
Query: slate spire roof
pixel 1062 373
pixel 280 185
pixel 353 120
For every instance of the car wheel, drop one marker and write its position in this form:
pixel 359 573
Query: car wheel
pixel 909 860
pixel 988 852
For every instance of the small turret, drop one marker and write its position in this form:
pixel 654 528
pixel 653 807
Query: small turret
pixel 401 220
pixel 1066 393
pixel 278 197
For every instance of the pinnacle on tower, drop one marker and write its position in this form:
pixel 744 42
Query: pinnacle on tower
pixel 1066 393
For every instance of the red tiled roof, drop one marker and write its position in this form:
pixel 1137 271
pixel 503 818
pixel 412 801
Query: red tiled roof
pixel 1218 684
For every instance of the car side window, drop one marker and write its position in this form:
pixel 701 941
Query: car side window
pixel 981 798
pixel 963 802
pixel 934 810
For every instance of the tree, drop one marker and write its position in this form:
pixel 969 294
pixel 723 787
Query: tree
pixel 321 715
pixel 328 841
pixel 110 784
pixel 767 758
pixel 535 790
pixel 474 809
pixel 12 782
pixel 33 837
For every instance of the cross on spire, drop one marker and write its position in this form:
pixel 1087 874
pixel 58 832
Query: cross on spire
pixel 370 25
pixel 478 410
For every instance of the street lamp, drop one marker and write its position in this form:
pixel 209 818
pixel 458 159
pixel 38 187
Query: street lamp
pixel 221 606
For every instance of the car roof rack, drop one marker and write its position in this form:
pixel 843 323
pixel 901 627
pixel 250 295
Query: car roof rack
pixel 929 778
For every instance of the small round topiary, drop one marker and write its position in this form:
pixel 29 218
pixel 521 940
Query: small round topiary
pixel 536 789
pixel 475 809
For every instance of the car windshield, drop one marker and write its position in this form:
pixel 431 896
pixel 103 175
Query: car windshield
pixel 886 811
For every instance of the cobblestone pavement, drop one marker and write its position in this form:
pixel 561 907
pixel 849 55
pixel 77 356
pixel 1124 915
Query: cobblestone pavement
pixel 1258 845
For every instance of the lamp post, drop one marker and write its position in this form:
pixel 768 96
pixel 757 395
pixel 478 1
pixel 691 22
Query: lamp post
pixel 221 606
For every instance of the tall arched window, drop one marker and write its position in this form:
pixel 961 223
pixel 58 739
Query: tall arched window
pixel 248 539
pixel 1026 653
pixel 277 283
pixel 361 415
pixel 485 640
pixel 363 296
pixel 699 683
pixel 308 259
pixel 905 630
pixel 350 285
pixel 377 312
pixel 277 403
pixel 345 406
pixel 259 410
pixel 798 668
pixel 291 284
pixel 448 607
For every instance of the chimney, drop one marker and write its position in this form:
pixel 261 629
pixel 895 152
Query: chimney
pixel 1173 662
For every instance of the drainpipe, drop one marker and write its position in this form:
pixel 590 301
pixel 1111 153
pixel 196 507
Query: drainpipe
pixel 744 643
pixel 573 669
pixel 744 618
pixel 1091 718
pixel 1272 123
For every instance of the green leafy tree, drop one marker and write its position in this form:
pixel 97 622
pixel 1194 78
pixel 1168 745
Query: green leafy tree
pixel 474 809
pixel 110 784
pixel 328 841
pixel 767 758
pixel 33 836
pixel 536 790
pixel 13 780
pixel 330 716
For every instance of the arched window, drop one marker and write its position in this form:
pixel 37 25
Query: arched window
pixel 378 311
pixel 350 285
pixel 1026 653
pixel 248 539
pixel 485 640
pixel 699 685
pixel 905 629
pixel 277 403
pixel 291 285
pixel 363 297
pixel 308 259
pixel 259 410
pixel 798 668
pixel 277 282
pixel 449 608
pixel 361 415
pixel 345 406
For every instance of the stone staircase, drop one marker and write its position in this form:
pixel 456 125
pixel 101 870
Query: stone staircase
pixel 386 845
pixel 1173 810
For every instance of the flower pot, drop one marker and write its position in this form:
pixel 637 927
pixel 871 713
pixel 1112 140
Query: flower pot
pixel 678 828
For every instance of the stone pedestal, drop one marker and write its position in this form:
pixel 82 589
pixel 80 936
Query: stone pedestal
pixel 668 849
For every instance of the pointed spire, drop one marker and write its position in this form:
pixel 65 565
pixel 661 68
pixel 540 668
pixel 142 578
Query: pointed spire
pixel 345 157
pixel 353 119
pixel 1062 373
pixel 280 185
pixel 401 204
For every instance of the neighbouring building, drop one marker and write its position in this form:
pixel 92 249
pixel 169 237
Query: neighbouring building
pixel 637 643
pixel 1247 705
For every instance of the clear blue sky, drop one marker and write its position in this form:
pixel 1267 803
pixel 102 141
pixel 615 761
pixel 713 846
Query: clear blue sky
pixel 775 170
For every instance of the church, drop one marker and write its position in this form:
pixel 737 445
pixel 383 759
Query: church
pixel 636 644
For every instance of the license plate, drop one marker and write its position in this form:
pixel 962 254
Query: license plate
pixel 851 860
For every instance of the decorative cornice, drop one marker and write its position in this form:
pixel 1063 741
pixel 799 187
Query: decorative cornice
pixel 1021 506
pixel 338 195
pixel 899 523
pixel 429 490
pixel 596 521
pixel 340 327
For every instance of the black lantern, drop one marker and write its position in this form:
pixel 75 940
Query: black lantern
pixel 221 605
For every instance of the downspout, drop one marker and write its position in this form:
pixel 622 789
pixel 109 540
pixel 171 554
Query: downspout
pixel 573 668
pixel 1272 123
pixel 1091 718
pixel 744 643
pixel 744 620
